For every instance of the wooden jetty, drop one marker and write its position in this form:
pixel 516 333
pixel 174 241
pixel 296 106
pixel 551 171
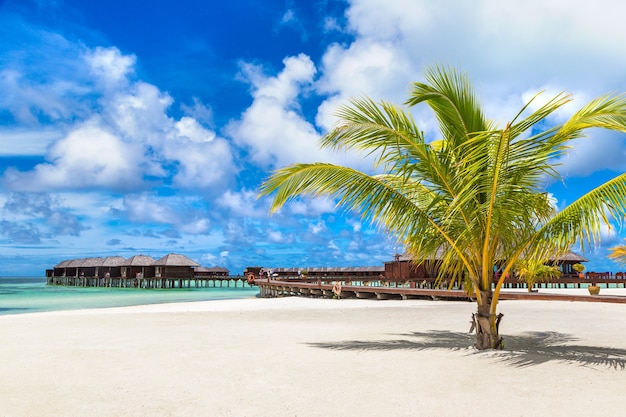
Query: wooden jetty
pixel 385 290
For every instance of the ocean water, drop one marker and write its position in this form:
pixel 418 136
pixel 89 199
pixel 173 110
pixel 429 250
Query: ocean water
pixel 20 295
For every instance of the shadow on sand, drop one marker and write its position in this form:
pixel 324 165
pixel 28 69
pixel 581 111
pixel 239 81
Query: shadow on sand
pixel 520 351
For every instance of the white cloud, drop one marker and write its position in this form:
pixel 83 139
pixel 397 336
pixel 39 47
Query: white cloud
pixel 199 111
pixel 139 113
pixel 332 246
pixel 30 102
pixel 509 49
pixel 318 227
pixel 144 208
pixel 199 226
pixel 201 165
pixel 272 128
pixel 126 136
pixel 189 127
pixel 109 66
pixel 501 40
pixel 242 203
pixel 275 236
pixel 376 69
pixel 27 141
pixel 88 157
pixel 600 150
pixel 312 207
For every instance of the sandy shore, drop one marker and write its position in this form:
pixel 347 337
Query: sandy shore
pixel 313 357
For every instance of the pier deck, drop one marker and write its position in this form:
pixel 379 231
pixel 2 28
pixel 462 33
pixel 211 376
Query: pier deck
pixel 277 288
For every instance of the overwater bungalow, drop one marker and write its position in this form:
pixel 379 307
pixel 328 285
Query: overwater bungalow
pixel 170 271
pixel 138 266
pixel 111 266
pixel 174 266
pixel 404 267
pixel 566 263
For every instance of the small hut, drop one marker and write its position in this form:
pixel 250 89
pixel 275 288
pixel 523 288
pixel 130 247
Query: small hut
pixel 138 266
pixel 89 267
pixel 565 262
pixel 60 269
pixel 73 267
pixel 111 265
pixel 404 267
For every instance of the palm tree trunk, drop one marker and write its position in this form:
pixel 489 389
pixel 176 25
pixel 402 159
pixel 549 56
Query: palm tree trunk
pixel 486 325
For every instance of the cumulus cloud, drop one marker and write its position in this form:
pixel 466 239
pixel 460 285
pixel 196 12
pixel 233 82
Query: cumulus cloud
pixel 394 42
pixel 196 227
pixel 109 66
pixel 312 207
pixel 128 137
pixel 362 68
pixel 189 128
pixel 144 208
pixel 201 164
pixel 88 157
pixel 272 128
pixel 242 203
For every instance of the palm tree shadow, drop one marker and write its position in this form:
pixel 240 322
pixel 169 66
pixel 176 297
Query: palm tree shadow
pixel 523 350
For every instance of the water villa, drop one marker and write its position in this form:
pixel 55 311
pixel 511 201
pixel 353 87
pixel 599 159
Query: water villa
pixel 178 271
pixel 405 278
pixel 139 271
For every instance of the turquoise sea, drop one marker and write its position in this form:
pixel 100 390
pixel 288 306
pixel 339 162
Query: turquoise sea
pixel 20 295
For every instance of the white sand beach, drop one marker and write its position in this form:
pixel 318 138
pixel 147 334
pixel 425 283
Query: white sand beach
pixel 313 357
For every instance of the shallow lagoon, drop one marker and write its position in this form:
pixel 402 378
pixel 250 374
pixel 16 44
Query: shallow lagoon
pixel 31 294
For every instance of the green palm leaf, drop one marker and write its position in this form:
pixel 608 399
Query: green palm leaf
pixel 472 198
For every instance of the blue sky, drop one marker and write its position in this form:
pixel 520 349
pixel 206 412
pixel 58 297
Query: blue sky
pixel 135 127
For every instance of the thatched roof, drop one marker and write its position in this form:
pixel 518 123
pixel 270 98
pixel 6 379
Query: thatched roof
pixel 174 259
pixel 572 257
pixel 113 261
pixel 91 262
pixel 75 263
pixel 138 260
pixel 63 264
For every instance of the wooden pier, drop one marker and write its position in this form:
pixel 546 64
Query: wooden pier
pixel 383 290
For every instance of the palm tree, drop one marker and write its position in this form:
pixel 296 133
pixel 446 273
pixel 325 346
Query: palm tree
pixel 475 194
pixel 532 271
pixel 618 254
